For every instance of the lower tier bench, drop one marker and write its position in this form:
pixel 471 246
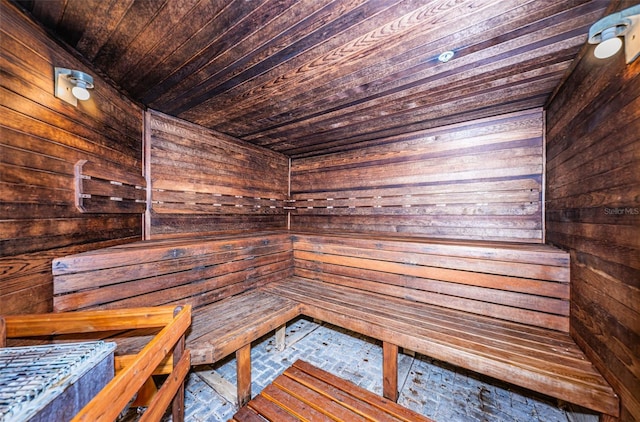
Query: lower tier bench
pixel 539 359
pixel 229 326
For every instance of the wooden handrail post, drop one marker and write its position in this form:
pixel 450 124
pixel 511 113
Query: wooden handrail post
pixel 177 406
pixel 113 398
pixel 3 333
pixel 170 388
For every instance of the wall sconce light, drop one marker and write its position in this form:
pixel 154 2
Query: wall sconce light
pixel 72 85
pixel 608 30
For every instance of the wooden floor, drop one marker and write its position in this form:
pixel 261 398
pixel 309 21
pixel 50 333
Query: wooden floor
pixel 304 392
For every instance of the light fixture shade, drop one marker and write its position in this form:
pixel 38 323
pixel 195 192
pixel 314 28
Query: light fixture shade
pixel 80 92
pixel 72 85
pixel 608 48
pixel 608 31
pixel 445 56
pixel 609 45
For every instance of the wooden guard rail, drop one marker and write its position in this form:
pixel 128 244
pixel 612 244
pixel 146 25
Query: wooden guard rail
pixel 107 188
pixel 167 198
pixel 166 346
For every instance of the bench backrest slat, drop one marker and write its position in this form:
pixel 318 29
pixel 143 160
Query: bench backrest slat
pixel 152 273
pixel 524 283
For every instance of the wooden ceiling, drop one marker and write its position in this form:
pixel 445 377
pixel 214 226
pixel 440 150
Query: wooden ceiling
pixel 311 77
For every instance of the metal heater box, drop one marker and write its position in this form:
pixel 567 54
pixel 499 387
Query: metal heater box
pixel 52 382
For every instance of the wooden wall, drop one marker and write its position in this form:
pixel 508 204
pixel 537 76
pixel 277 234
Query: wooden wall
pixel 41 139
pixel 205 182
pixel 476 180
pixel 593 210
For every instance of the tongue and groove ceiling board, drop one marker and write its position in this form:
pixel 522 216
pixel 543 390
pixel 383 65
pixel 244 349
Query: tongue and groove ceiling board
pixel 311 77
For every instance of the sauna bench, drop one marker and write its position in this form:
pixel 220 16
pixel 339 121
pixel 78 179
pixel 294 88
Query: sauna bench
pixel 499 309
pixel 217 275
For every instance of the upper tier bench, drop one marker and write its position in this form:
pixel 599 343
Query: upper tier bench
pixel 500 309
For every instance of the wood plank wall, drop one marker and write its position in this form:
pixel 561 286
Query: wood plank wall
pixel 205 182
pixel 593 210
pixel 41 139
pixel 480 179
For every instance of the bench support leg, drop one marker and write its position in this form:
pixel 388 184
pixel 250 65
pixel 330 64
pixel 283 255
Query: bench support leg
pixel 243 360
pixel 3 333
pixel 280 337
pixel 145 394
pixel 390 371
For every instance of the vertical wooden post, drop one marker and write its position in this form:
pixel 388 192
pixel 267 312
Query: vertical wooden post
pixel 280 337
pixel 146 172
pixel 177 406
pixel 390 371
pixel 146 393
pixel 243 360
pixel 3 333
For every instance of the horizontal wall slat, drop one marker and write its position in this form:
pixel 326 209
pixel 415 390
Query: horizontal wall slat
pixel 427 189
pixel 419 226
pixel 105 188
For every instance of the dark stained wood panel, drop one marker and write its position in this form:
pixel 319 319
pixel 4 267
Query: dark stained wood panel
pixel 593 210
pixel 476 180
pixel 41 139
pixel 312 77
pixel 205 182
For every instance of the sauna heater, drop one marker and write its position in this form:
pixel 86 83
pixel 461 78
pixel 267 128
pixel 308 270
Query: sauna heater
pixel 52 382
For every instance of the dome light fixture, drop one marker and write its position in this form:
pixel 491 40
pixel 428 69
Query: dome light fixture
pixel 607 33
pixel 445 56
pixel 72 85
